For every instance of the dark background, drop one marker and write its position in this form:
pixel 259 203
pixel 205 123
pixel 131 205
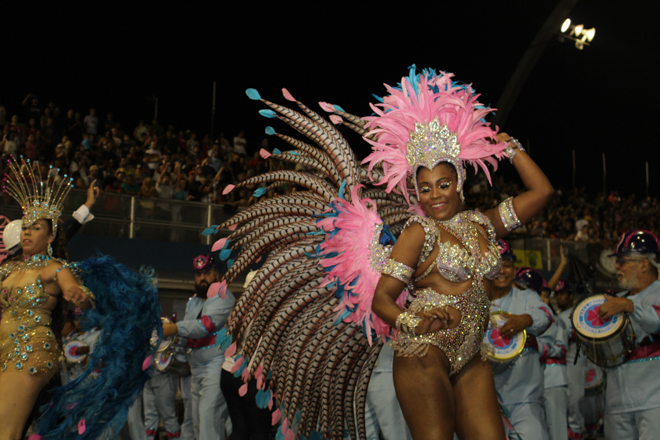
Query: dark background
pixel 115 56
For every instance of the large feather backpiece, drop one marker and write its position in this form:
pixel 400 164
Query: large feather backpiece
pixel 308 334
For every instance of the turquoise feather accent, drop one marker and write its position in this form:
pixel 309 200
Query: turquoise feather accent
pixel 267 113
pixel 253 94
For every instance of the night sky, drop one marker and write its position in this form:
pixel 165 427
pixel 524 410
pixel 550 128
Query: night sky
pixel 116 55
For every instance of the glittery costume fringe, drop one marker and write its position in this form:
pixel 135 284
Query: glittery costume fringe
pixel 459 344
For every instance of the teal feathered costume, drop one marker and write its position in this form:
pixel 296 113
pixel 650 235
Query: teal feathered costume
pixel 95 405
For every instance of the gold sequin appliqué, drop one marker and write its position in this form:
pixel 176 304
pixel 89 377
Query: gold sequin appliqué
pixel 27 343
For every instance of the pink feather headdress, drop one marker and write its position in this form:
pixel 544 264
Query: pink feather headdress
pixel 430 119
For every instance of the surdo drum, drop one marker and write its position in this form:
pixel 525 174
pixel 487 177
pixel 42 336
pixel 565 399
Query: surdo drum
pixel 504 350
pixel 606 342
pixel 166 362
pixel 165 342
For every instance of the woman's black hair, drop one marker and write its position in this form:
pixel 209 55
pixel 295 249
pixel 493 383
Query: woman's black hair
pixel 448 164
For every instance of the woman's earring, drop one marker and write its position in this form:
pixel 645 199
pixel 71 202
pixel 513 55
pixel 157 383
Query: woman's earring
pixel 50 250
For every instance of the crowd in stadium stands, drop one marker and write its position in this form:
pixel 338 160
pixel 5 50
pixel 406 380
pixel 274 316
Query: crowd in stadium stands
pixel 153 161
pixel 573 214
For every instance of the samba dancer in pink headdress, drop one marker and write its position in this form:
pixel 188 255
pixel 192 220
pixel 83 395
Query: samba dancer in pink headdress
pixel 424 133
pixel 313 320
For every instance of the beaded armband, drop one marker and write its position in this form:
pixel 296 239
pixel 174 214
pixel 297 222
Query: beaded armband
pixel 508 215
pixel 396 270
pixel 406 323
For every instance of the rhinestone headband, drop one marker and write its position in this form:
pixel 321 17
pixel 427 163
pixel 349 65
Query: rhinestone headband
pixel 431 144
pixel 39 198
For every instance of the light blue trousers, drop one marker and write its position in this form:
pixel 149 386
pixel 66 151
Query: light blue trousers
pixel 383 412
pixel 528 420
pixel 159 403
pixel 187 431
pixel 639 425
pixel 555 400
pixel 209 408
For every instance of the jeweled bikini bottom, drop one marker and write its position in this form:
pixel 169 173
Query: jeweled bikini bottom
pixel 460 343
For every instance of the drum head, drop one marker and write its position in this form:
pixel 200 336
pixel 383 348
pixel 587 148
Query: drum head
pixel 69 348
pixel 587 322
pixel 165 342
pixel 504 349
pixel 163 361
pixel 595 377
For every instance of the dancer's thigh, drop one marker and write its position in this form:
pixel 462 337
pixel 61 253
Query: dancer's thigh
pixel 425 393
pixel 477 410
pixel 18 394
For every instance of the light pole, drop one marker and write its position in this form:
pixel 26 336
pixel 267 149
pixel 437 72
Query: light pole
pixel 578 33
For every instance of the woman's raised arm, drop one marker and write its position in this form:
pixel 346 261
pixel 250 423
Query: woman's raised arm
pixel 526 205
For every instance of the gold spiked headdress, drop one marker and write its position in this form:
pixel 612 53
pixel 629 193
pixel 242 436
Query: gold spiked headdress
pixel 39 198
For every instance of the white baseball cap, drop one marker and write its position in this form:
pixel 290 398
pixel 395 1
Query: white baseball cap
pixel 11 236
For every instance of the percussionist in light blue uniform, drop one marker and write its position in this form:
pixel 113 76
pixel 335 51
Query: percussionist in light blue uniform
pixel 205 317
pixel 552 349
pixel 521 385
pixel 632 405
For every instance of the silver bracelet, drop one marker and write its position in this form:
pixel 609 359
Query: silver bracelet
pixel 510 152
pixel 407 322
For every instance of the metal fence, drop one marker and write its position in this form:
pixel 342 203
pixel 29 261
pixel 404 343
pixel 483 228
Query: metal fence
pixel 124 216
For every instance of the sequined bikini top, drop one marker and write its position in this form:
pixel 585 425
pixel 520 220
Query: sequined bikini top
pixel 30 296
pixel 454 262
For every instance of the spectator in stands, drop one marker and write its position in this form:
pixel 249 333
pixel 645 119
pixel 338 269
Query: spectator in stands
pixel 15 127
pixel 47 136
pixel 33 109
pixel 32 148
pixel 75 127
pixel 31 128
pixel 164 186
pixel 43 120
pixel 91 122
pixel 9 146
pixel 140 132
pixel 109 123
pixel 181 189
pixel 192 143
pixel 148 190
pixel 130 185
pixel 240 144
pixel 583 234
pixel 157 129
pixel 256 160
